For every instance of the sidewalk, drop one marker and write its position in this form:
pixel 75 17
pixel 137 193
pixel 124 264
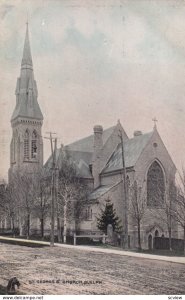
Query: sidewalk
pixel 173 259
pixel 24 240
pixel 180 260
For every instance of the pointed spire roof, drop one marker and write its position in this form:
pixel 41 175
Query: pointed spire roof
pixel 27 59
pixel 26 91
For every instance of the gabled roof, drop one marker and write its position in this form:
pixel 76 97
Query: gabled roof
pixel 132 150
pixel 80 153
pixel 86 144
pixel 81 160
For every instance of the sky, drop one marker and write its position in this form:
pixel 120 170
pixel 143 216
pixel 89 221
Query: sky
pixel 96 62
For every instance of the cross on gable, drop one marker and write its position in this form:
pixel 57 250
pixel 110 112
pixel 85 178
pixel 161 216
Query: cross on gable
pixel 155 122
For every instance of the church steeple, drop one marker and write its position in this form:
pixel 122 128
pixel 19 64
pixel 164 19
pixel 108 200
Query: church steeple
pixel 26 89
pixel 26 146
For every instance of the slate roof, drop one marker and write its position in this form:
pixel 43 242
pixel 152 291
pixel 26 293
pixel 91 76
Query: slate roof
pixel 132 150
pixel 80 160
pixel 100 191
pixel 80 153
pixel 86 144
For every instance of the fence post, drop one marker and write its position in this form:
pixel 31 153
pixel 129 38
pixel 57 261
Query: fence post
pixel 74 239
pixel 103 240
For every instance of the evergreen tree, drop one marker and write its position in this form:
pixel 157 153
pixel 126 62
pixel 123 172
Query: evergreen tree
pixel 108 216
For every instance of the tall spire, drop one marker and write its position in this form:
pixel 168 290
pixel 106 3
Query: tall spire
pixel 26 59
pixel 26 91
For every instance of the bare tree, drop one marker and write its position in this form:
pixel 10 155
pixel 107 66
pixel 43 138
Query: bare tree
pixel 137 207
pixel 42 184
pixel 11 205
pixel 25 193
pixel 72 193
pixel 164 207
pixel 3 209
pixel 169 207
pixel 179 211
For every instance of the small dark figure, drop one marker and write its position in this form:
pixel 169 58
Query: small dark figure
pixel 11 285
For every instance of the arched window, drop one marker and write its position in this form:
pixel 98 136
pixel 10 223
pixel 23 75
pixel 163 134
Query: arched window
pixel 155 185
pixel 156 233
pixel 26 144
pixel 34 145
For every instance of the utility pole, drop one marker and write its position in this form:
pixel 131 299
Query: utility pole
pixel 57 204
pixel 53 187
pixel 125 193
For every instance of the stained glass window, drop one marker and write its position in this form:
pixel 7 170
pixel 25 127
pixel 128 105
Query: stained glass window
pixel 155 185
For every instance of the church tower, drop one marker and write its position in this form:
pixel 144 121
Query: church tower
pixel 26 148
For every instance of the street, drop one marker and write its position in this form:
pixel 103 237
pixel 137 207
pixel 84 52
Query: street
pixel 72 271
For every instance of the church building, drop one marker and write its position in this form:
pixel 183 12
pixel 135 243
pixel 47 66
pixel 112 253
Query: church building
pixel 98 159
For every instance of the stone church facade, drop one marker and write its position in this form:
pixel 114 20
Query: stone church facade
pixel 98 159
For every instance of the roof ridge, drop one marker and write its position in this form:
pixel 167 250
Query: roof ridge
pixel 91 135
pixel 86 144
